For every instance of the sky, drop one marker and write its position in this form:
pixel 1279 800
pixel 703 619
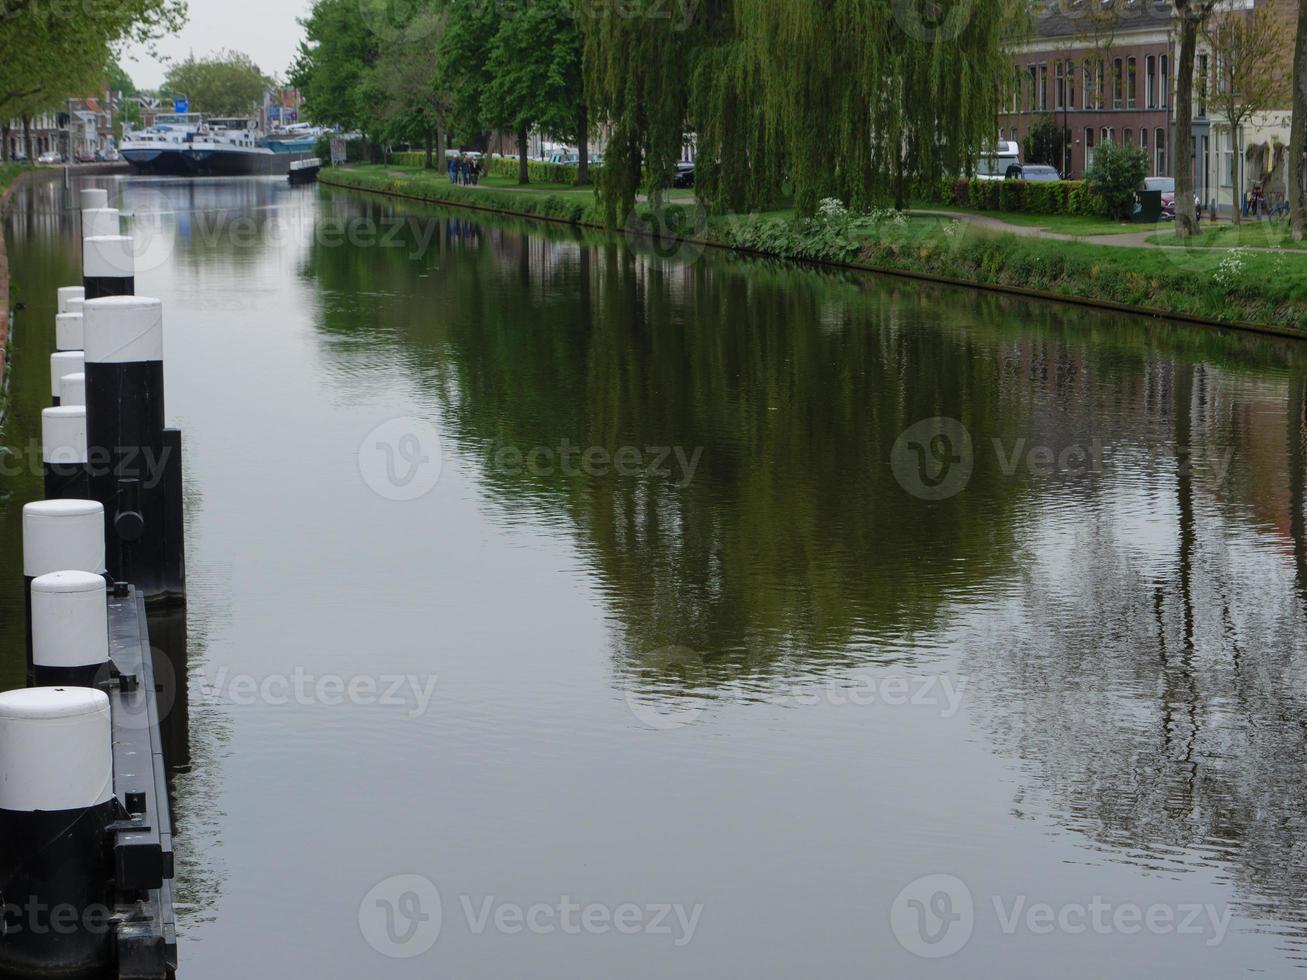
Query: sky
pixel 264 29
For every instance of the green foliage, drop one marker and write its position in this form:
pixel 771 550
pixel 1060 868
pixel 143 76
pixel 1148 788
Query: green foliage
pixel 52 52
pixel 227 83
pixel 1044 142
pixel 1116 174
pixel 540 170
pixel 333 69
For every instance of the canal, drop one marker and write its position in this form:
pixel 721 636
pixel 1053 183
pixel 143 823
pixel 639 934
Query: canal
pixel 563 606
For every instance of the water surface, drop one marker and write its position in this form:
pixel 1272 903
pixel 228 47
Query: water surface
pixel 683 621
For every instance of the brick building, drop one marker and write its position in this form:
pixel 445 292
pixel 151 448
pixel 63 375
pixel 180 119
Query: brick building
pixel 1101 73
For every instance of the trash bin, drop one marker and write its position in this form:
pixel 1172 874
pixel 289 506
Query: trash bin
pixel 1148 207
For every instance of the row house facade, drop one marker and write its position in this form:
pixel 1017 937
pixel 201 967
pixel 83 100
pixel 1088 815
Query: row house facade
pixel 1101 75
pixel 1105 70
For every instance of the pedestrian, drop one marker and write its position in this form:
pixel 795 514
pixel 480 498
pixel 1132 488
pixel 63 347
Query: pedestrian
pixel 476 170
pixel 451 164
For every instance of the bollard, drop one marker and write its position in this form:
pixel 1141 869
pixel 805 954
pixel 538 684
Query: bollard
pixel 63 362
pixel 68 331
pixel 107 266
pixel 59 535
pixel 124 427
pixel 63 453
pixel 72 389
pixel 93 197
pixel 56 803
pixel 70 629
pixel 100 222
pixel 65 293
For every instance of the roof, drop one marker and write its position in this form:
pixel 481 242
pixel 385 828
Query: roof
pixel 1069 18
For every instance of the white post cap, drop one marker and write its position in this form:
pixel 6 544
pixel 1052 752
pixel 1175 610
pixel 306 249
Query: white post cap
pixel 63 535
pixel 66 293
pixel 75 304
pixel 94 197
pixel 63 434
pixel 122 329
pixel 100 222
pixel 72 389
pixel 68 331
pixel 70 619
pixel 56 749
pixel 64 362
pixel 107 256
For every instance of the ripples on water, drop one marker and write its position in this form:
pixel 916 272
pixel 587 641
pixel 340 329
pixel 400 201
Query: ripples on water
pixel 1128 641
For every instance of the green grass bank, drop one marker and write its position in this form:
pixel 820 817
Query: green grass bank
pixel 1263 290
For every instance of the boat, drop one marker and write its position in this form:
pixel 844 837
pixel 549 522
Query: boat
pixel 157 149
pixel 190 144
pixel 233 146
pixel 304 171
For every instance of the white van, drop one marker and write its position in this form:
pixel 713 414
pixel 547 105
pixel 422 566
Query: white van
pixel 994 166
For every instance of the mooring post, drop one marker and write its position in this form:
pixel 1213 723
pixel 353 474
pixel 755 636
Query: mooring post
pixel 63 362
pixel 70 629
pixel 68 331
pixel 56 801
pixel 93 197
pixel 125 426
pixel 63 453
pixel 100 222
pixel 66 293
pixel 59 535
pixel 107 266
pixel 72 389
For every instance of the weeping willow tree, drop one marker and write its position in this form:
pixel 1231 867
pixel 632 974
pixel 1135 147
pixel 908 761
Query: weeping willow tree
pixel 853 99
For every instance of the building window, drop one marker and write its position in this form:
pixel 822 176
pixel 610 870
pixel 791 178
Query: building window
pixel 1127 137
pixel 1150 74
pixel 1143 143
pixel 1088 85
pixel 1043 88
pixel 1164 81
pixel 1089 147
pixel 1131 82
pixel 1071 84
pixel 1227 160
pixel 1109 135
pixel 1118 83
pixel 1059 86
pixel 1201 85
pixel 1099 86
pixel 1159 150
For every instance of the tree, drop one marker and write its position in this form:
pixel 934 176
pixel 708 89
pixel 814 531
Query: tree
pixel 1192 15
pixel 1115 174
pixel 52 53
pixel 636 67
pixel 227 83
pixel 415 105
pixel 1298 131
pixel 334 67
pixel 1250 49
pixel 1045 141
pixel 853 99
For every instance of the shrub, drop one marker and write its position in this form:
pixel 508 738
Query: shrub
pixel 1116 173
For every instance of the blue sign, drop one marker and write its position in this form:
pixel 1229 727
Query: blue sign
pixel 181 105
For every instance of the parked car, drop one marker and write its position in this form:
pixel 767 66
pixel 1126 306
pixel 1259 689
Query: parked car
pixel 684 176
pixel 1032 171
pixel 49 156
pixel 1167 186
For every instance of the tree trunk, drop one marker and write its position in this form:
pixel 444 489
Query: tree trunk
pixel 583 143
pixel 426 145
pixel 1237 191
pixel 523 171
pixel 1298 133
pixel 1182 153
pixel 4 142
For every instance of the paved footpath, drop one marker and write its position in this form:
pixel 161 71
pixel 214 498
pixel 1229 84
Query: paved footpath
pixel 1131 239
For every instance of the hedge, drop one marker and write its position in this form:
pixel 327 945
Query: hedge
pixel 1030 196
pixel 537 170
